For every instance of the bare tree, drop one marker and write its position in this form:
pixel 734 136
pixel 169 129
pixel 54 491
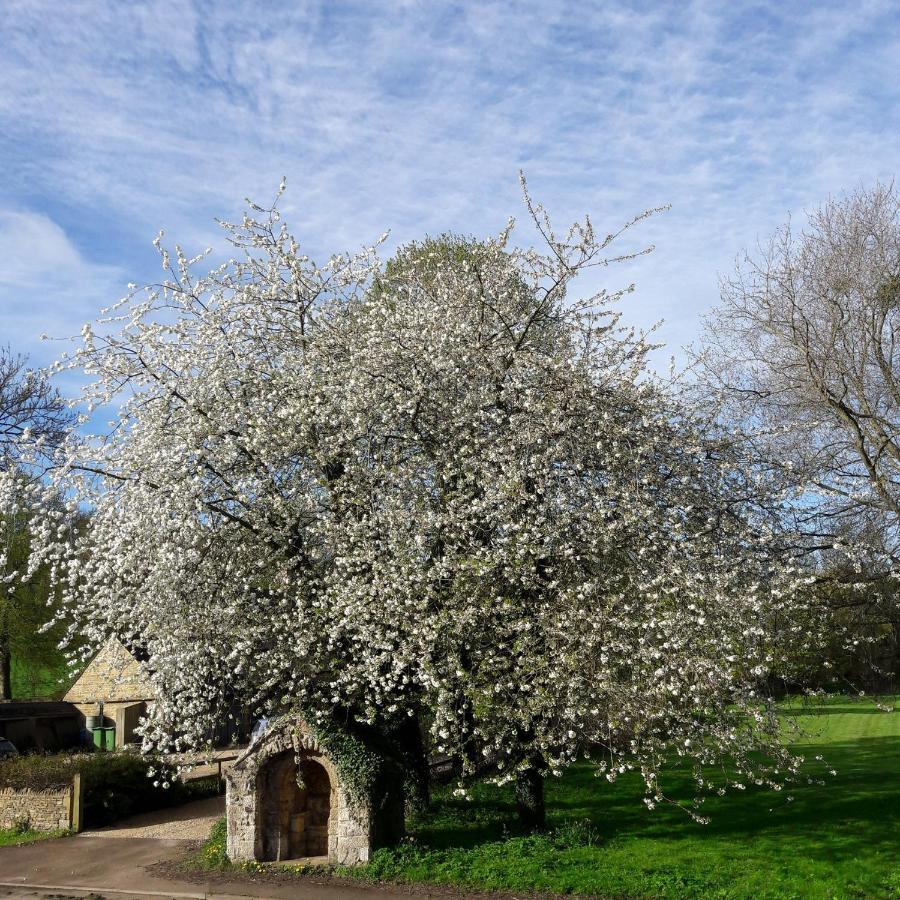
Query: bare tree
pixel 29 407
pixel 32 411
pixel 804 352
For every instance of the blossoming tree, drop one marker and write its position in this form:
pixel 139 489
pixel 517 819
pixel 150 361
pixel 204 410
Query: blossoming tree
pixel 438 494
pixel 33 420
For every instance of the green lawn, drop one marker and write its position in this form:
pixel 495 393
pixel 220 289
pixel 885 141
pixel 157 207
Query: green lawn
pixel 840 840
pixel 12 837
pixel 33 682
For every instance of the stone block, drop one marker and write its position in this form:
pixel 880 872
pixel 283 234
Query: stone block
pixel 42 810
pixel 263 802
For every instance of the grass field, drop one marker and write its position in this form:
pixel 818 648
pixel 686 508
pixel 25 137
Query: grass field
pixel 10 838
pixel 840 840
pixel 38 682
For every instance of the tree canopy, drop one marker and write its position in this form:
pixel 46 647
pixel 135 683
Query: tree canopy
pixel 34 421
pixel 442 489
pixel 802 359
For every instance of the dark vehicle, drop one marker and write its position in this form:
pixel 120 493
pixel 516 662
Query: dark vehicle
pixel 7 748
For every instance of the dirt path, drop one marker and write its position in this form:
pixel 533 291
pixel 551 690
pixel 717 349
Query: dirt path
pixel 190 822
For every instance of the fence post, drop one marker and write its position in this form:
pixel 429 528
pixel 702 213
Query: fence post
pixel 77 803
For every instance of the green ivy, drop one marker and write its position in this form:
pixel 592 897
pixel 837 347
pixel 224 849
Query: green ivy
pixel 362 769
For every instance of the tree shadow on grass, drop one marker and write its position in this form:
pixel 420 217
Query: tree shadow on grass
pixel 846 710
pixel 854 813
pixel 454 822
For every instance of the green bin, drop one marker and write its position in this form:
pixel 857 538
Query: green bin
pixel 105 738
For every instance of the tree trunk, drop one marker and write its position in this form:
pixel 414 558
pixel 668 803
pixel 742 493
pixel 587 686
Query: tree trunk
pixel 5 662
pixel 418 780
pixel 895 673
pixel 530 796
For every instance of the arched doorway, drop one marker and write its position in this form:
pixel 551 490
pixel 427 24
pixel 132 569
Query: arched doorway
pixel 295 809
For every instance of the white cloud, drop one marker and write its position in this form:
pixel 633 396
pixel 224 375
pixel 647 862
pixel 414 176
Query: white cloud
pixel 34 251
pixel 46 286
pixel 417 116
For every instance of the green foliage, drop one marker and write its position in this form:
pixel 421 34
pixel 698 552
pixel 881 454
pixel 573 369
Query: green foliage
pixel 13 837
pixel 40 772
pixel 212 855
pixel 114 785
pixel 117 786
pixel 576 833
pixel 365 771
pixel 37 666
pixel 39 677
pixel 870 610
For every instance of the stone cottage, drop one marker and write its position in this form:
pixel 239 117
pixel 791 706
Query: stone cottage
pixel 289 797
pixel 113 678
pixel 115 687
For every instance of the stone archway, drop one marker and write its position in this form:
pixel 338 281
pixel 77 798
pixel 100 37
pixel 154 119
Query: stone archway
pixel 264 801
pixel 295 808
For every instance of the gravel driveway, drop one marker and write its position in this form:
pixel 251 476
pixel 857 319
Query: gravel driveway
pixel 191 822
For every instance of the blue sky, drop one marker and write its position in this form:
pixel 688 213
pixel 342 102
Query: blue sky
pixel 119 119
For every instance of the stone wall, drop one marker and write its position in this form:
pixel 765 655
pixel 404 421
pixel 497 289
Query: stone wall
pixel 113 675
pixel 43 810
pixel 250 799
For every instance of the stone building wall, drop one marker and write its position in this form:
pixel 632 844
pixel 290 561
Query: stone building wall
pixel 250 801
pixel 42 810
pixel 123 716
pixel 113 676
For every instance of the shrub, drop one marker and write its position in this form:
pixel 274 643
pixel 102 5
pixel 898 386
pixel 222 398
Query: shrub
pixel 117 785
pixel 576 833
pixel 39 772
pixel 114 785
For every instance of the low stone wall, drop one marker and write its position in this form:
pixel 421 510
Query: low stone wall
pixel 51 810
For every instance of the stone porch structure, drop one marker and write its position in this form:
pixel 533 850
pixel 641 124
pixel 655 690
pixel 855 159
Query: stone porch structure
pixel 287 799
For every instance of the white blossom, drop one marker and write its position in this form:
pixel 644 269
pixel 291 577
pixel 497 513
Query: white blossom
pixel 444 486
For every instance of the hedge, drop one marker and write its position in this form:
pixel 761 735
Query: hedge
pixel 114 785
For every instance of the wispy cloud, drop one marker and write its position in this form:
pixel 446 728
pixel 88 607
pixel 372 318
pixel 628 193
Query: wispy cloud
pixel 46 285
pixel 122 118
